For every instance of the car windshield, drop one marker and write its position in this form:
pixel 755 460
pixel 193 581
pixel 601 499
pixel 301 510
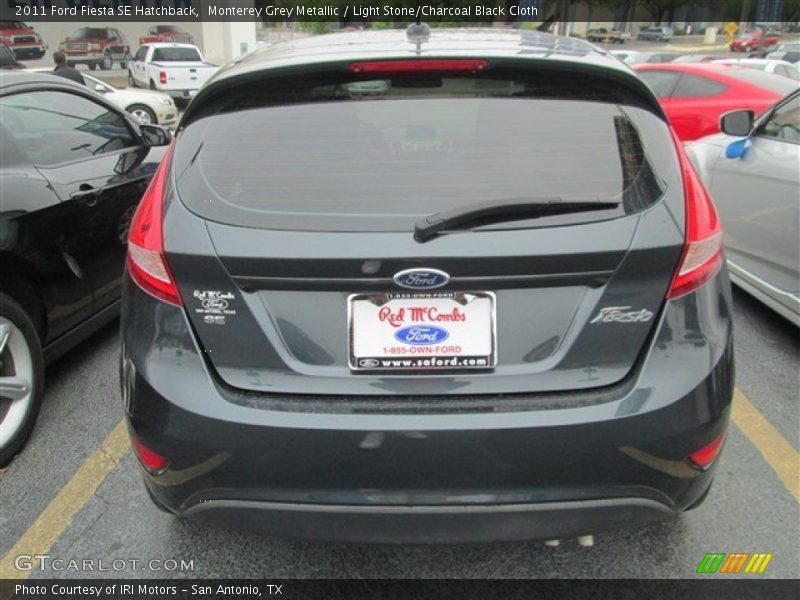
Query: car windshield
pixel 175 55
pixel 90 33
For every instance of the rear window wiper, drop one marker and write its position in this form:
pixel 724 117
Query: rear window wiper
pixel 497 211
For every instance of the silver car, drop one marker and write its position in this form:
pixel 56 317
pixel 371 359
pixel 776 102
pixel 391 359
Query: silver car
pixel 655 34
pixel 753 174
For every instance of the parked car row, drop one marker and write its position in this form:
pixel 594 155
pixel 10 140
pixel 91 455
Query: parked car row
pixel 695 96
pixel 94 46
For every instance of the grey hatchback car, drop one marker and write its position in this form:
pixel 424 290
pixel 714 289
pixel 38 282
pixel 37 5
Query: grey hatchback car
pixel 426 286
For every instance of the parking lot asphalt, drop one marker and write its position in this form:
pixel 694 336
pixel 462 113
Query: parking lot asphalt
pixel 749 509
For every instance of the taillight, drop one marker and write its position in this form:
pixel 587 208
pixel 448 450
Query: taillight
pixel 702 254
pixel 418 66
pixel 146 261
pixel 704 457
pixel 162 77
pixel 150 459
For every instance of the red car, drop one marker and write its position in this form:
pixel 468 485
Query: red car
pixel 751 40
pixel 22 39
pixel 97 46
pixel 166 33
pixel 695 96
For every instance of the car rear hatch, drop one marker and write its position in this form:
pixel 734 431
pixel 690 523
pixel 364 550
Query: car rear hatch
pixel 184 67
pixel 297 259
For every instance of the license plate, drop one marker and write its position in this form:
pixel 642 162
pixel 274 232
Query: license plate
pixel 421 331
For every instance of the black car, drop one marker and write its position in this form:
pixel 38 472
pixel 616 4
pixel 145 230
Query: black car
pixel 8 60
pixel 72 170
pixel 444 287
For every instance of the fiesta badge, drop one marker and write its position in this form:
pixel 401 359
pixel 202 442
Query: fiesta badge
pixel 421 279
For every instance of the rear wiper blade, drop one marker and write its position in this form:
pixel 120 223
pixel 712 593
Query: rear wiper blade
pixel 498 211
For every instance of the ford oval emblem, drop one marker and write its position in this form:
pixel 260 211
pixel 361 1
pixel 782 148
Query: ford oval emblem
pixel 421 279
pixel 421 335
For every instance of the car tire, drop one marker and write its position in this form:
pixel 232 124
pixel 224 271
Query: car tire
pixel 131 80
pixel 21 365
pixel 143 114
pixel 152 85
pixel 106 62
pixel 92 66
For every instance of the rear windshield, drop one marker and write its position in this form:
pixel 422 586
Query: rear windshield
pixel 378 154
pixel 175 55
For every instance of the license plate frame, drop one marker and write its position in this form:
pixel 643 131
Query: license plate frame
pixel 424 361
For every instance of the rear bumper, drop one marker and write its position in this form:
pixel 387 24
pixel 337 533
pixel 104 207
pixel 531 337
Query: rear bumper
pixel 29 51
pixel 538 466
pixel 431 524
pixel 88 57
pixel 167 117
pixel 181 94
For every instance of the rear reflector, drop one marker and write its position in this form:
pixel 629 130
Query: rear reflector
pixel 146 261
pixel 162 77
pixel 150 459
pixel 704 457
pixel 418 66
pixel 702 255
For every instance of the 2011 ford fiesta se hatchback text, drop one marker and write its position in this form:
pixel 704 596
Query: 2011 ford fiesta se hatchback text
pixel 426 286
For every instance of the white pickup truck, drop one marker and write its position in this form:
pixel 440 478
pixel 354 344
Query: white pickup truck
pixel 175 69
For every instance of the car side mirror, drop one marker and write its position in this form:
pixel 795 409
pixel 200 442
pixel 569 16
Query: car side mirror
pixel 100 89
pixel 155 135
pixel 737 122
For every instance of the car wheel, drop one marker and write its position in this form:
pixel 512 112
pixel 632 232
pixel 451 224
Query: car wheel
pixel 106 62
pixel 143 114
pixel 92 66
pixel 21 377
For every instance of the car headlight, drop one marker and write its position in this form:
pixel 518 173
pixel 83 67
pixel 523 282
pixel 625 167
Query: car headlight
pixel 166 101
